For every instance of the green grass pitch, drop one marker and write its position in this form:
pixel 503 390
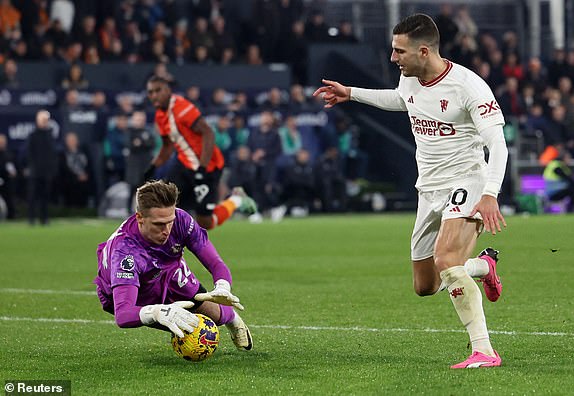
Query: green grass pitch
pixel 329 301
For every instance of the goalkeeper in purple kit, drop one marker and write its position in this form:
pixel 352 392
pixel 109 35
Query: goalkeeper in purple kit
pixel 143 279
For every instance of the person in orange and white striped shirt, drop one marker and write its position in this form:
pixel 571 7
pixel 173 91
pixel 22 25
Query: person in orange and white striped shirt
pixel 199 161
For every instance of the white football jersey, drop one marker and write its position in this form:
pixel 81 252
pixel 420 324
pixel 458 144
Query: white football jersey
pixel 446 115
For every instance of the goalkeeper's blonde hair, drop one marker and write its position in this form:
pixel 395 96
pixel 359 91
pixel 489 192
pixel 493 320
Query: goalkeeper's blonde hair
pixel 156 194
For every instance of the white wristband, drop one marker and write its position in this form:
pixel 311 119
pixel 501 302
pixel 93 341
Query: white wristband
pixel 146 315
pixel 223 284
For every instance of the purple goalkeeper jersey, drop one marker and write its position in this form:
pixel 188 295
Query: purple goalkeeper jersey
pixel 126 258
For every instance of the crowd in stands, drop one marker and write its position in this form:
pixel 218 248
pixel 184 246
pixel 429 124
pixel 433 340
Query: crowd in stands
pixel 536 96
pixel 167 31
pixel 305 167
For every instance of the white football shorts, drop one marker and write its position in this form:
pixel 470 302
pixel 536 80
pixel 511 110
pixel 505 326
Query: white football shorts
pixel 439 205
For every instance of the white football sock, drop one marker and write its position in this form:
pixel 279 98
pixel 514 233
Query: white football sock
pixel 467 300
pixel 236 199
pixel 475 268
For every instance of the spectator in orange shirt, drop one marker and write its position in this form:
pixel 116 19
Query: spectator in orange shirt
pixel 9 17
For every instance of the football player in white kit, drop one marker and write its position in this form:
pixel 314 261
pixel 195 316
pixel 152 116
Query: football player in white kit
pixel 453 115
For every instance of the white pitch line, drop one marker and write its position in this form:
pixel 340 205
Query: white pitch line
pixel 312 328
pixel 47 291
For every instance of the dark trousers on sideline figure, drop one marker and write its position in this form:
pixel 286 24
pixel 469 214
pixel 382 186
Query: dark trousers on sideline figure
pixel 38 199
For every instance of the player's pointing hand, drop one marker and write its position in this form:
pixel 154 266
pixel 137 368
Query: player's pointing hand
pixel 334 93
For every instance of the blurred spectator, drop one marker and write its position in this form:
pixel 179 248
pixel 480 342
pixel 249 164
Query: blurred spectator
pixel 86 33
pixel 298 102
pixel 238 130
pixel 447 28
pixel 291 141
pixel 487 45
pixel 75 78
pixel 558 179
pixel 201 55
pixel 289 12
pixel 557 67
pixel 266 27
pixel 132 39
pixel 115 148
pixel 512 68
pixel 228 56
pixel 528 96
pixel 223 138
pixel 316 30
pixel 201 37
pixel 149 13
pixel 73 180
pixel 63 11
pixel 222 39
pixel 565 89
pixel 72 53
pixel 536 76
pixel 160 70
pixel 496 78
pixel 330 181
pixel 57 35
pixel 253 55
pixel 219 101
pixel 293 50
pixel 510 100
pixel 265 146
pixel 48 52
pixel 537 124
pixel 466 25
pixel 19 50
pixel 510 44
pixel 141 147
pixel 107 34
pixel 557 133
pixel 193 94
pixel 239 103
pixel 345 33
pixel 42 167
pixel 8 173
pixel 9 18
pixel 179 44
pixel 9 78
pixel 274 101
pixel 116 53
pixel 353 159
pixel 465 52
pixel 92 56
pixel 242 170
pixel 298 187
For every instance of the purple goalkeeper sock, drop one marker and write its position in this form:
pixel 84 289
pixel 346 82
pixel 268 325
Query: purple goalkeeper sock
pixel 226 314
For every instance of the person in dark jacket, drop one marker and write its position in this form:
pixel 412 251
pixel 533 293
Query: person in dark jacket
pixel 42 168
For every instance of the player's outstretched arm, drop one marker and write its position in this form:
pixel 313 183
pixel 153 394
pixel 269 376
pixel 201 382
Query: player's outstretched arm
pixel 221 294
pixel 333 93
pixel 173 316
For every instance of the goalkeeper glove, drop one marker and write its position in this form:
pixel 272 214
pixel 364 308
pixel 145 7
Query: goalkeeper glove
pixel 220 295
pixel 173 316
pixel 150 172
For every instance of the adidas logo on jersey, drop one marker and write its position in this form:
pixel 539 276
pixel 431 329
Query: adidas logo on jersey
pixel 454 209
pixel 411 100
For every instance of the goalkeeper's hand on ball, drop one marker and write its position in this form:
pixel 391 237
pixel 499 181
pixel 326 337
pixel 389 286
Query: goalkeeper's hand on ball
pixel 220 295
pixel 173 316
